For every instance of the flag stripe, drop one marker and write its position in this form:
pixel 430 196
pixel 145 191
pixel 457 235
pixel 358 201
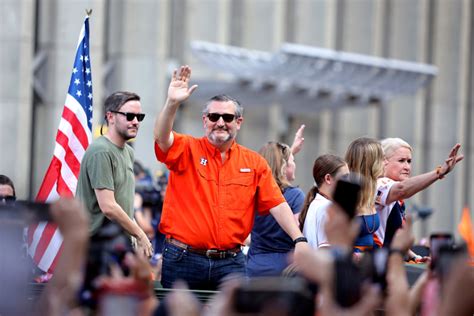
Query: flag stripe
pixel 36 238
pixel 77 127
pixel 35 231
pixel 63 186
pixel 80 112
pixel 55 261
pixel 69 156
pixel 74 143
pixel 30 232
pixel 43 243
pixel 73 137
pixel 50 252
pixel 48 181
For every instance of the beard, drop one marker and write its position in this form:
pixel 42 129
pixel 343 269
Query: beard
pixel 220 139
pixel 126 134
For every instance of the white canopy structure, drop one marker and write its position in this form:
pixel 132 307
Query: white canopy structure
pixel 307 78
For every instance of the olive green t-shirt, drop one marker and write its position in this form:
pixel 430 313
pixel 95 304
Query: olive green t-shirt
pixel 106 166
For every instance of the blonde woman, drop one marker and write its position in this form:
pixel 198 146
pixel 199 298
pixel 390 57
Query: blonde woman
pixel 365 157
pixel 397 185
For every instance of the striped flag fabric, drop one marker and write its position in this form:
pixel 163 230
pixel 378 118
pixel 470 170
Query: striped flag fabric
pixel 72 139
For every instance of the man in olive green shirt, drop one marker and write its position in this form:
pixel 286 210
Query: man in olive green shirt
pixel 106 183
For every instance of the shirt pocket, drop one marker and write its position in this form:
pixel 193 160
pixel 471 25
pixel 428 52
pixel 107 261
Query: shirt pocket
pixel 239 192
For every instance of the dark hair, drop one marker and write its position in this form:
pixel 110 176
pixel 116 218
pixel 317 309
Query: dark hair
pixel 116 100
pixel 239 110
pixel 6 181
pixel 323 165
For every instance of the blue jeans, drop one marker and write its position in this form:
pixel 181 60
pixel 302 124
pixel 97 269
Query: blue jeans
pixel 200 272
pixel 266 264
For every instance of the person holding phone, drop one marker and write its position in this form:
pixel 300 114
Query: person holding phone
pixel 327 170
pixel 270 245
pixel 396 185
pixel 364 156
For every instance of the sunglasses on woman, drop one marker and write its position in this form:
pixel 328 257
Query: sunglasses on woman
pixel 214 117
pixel 131 116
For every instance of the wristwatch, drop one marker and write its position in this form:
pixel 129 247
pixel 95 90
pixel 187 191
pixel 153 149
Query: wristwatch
pixel 300 239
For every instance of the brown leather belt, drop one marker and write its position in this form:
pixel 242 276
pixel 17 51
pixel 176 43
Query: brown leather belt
pixel 209 253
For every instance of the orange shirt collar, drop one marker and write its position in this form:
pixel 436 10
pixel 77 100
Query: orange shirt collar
pixel 215 152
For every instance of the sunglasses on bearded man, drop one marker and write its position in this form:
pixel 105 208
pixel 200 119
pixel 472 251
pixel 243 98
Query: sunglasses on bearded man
pixel 131 116
pixel 214 117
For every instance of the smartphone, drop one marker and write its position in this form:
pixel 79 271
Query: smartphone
pixel 447 255
pixel 438 240
pixel 379 267
pixel 34 212
pixel 290 296
pixel 347 194
pixel 348 279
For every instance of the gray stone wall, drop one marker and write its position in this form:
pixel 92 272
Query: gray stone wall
pixel 136 43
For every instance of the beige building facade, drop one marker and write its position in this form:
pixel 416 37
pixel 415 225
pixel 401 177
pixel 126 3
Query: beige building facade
pixel 136 43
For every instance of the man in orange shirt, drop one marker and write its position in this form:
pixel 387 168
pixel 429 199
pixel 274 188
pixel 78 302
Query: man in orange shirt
pixel 215 186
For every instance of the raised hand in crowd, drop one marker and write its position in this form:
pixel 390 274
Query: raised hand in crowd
pixel 59 293
pixel 341 231
pixel 137 288
pixel 398 295
pixel 181 301
pixel 324 276
pixel 179 90
pixel 298 141
pixel 223 302
pixel 457 297
pixel 450 162
pixel 416 290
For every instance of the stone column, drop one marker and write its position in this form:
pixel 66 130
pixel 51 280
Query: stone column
pixel 16 60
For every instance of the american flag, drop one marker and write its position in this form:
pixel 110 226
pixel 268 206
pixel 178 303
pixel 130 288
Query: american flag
pixel 72 139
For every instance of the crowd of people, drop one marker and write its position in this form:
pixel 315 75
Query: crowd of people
pixel 216 196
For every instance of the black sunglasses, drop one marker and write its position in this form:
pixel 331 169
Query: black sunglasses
pixel 214 117
pixel 7 199
pixel 131 116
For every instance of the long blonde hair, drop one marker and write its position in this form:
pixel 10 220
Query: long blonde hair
pixel 277 156
pixel 365 157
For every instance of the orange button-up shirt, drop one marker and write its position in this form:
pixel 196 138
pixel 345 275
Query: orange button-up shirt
pixel 210 204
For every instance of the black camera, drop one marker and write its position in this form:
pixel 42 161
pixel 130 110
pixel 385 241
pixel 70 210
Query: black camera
pixel 349 276
pixel 447 255
pixel 268 295
pixel 347 193
pixel 438 240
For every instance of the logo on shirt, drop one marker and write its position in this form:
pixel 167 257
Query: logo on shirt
pixel 203 161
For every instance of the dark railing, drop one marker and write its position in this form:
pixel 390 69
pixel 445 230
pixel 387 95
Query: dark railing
pixel 413 272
